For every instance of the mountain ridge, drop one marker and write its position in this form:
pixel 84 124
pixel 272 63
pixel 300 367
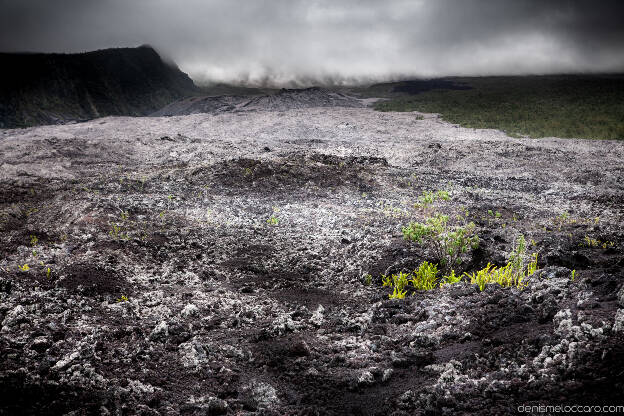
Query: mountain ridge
pixel 40 88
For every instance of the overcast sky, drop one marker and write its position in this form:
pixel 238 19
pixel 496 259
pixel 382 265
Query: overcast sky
pixel 288 42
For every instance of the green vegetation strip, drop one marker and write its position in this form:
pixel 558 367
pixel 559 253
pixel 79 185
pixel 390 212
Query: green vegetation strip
pixel 589 107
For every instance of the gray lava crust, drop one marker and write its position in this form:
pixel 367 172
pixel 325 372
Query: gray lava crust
pixel 168 292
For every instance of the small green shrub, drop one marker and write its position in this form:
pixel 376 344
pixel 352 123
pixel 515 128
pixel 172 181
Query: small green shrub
pixel 429 197
pixel 448 242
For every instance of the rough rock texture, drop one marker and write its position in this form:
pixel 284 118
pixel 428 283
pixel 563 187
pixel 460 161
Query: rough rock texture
pixel 285 99
pixel 168 292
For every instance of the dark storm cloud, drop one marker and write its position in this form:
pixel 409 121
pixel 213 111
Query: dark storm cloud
pixel 316 41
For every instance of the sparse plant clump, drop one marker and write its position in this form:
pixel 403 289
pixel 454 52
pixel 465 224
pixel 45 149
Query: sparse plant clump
pixel 507 276
pixel 561 220
pixel 590 242
pixel 423 278
pixel 117 230
pixel 429 197
pixel 513 274
pixel 495 218
pixel 398 283
pixel 516 257
pixel 33 242
pixel 565 219
pixel 450 279
pixel 273 220
pixel 448 242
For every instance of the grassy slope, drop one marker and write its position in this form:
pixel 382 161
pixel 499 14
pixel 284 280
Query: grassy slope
pixel 538 106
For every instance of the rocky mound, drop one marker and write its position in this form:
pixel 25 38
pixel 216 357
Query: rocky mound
pixel 301 98
pixel 285 99
pixel 219 264
pixel 201 105
pixel 56 88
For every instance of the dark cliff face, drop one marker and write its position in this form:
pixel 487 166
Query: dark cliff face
pixel 55 88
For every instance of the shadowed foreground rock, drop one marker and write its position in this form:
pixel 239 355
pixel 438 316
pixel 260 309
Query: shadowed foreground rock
pixel 215 264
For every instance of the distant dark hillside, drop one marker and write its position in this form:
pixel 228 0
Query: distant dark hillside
pixel 55 88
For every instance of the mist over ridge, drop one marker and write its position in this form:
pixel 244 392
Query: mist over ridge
pixel 298 43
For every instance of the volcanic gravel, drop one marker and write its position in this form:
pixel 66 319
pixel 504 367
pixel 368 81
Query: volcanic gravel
pixel 157 283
